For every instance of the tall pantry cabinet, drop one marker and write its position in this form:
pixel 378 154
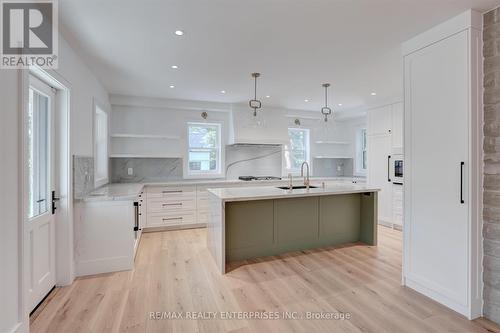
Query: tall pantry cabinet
pixel 443 154
pixel 384 141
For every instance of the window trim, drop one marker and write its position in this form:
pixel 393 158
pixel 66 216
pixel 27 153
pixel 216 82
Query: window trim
pixel 100 181
pixel 308 149
pixel 219 172
pixel 359 171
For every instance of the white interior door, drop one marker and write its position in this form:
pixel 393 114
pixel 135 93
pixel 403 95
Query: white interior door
pixel 40 222
pixel 379 150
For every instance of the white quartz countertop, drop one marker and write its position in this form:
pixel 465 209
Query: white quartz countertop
pixel 115 192
pixel 272 192
pixel 130 191
pixel 296 179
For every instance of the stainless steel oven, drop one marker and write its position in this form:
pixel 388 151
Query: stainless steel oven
pixel 397 169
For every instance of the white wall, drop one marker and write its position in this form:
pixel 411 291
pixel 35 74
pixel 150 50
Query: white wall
pixel 84 87
pixel 341 130
pixel 10 313
pixel 139 115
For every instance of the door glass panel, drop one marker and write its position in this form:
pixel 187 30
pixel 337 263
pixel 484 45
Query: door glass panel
pixel 38 153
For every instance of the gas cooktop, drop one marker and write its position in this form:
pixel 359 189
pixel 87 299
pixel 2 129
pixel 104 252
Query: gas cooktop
pixel 249 178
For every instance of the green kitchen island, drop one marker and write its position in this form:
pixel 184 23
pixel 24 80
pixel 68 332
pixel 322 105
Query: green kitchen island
pixel 250 222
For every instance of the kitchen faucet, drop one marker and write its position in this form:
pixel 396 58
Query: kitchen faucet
pixel 306 177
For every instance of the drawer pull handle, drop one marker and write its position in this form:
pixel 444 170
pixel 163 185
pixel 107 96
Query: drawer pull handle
pixel 171 218
pixel 173 191
pixel 172 204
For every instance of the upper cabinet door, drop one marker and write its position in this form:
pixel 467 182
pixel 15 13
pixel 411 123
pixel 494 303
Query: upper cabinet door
pixel 397 125
pixel 380 120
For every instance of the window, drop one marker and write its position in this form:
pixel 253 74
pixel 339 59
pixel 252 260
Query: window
pixel 298 151
pixel 361 152
pixel 38 159
pixel 204 149
pixel 100 146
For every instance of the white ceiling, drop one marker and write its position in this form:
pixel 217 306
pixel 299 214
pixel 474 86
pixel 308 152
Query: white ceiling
pixel 296 45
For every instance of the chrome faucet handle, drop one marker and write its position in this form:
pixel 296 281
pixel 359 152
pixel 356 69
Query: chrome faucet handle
pixel 290 181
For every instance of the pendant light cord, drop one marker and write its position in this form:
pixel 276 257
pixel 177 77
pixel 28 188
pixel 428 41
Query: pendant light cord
pixel 326 96
pixel 255 88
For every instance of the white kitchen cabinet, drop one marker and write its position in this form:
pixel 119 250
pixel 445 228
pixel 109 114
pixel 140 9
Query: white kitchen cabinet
pixel 142 211
pixel 379 153
pixel 443 112
pixel 169 206
pixel 397 206
pixel 105 237
pixel 380 121
pixel 385 138
pixel 397 127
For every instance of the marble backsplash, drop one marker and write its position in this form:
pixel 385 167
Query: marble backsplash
pixel 83 176
pixel 253 161
pixel 339 167
pixel 240 161
pixel 145 170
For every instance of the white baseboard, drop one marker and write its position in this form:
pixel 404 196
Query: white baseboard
pixel 390 225
pixel 20 328
pixel 175 227
pixel 104 265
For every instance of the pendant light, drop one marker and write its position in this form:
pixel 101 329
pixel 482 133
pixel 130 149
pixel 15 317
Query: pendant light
pixel 254 103
pixel 326 111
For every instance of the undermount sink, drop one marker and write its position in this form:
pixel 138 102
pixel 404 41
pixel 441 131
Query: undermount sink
pixel 301 187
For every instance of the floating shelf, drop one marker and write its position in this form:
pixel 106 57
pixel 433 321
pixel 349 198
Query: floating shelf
pixel 334 142
pixel 303 117
pixel 145 136
pixel 141 156
pixel 333 157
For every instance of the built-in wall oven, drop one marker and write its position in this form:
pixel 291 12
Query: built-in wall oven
pixel 397 170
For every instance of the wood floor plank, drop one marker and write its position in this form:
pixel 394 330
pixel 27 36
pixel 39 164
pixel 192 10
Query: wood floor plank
pixel 174 272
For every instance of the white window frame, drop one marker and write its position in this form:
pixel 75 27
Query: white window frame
pixel 289 147
pixel 100 180
pixel 218 172
pixel 359 151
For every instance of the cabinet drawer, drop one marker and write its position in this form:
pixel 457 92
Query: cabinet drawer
pixel 165 205
pixel 155 220
pixel 174 191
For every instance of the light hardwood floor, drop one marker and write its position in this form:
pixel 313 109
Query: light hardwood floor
pixel 174 272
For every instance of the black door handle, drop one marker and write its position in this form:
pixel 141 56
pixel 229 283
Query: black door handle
pixel 389 168
pixel 136 208
pixel 462 182
pixel 54 200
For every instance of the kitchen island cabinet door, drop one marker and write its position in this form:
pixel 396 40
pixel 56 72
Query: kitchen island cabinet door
pixel 249 229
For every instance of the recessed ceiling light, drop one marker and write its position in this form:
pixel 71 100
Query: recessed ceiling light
pixel 306 100
pixel 373 93
pixel 223 91
pixel 179 32
pixel 268 96
pixel 340 104
pixel 172 86
pixel 174 66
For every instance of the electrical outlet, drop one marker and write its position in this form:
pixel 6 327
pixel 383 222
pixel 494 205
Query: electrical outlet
pixel 130 171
